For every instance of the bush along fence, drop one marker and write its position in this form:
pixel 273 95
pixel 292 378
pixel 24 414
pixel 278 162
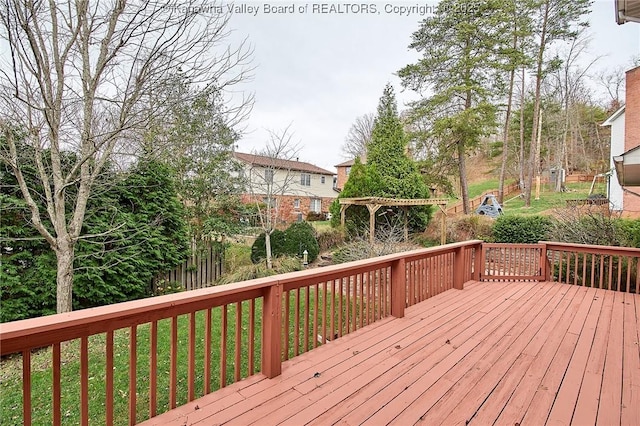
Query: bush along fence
pixel 200 270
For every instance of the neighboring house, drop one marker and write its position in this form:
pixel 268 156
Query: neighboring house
pixel 616 122
pixel 299 187
pixel 625 123
pixel 343 174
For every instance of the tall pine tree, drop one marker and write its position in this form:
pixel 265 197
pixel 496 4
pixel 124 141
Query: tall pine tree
pixel 459 70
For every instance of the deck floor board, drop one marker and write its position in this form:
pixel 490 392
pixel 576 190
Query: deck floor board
pixel 493 353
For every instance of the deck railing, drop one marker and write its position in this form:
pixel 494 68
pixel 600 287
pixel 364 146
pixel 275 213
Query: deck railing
pixel 606 267
pixel 513 262
pixel 131 361
pixel 127 362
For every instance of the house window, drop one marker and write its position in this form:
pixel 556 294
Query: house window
pixel 296 203
pixel 322 180
pixel 316 205
pixel 305 179
pixel 268 175
pixel 348 170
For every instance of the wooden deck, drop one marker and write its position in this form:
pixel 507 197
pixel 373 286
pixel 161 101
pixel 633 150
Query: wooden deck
pixel 493 353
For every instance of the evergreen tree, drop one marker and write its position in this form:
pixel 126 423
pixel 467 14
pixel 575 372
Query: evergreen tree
pixel 389 172
pixel 141 232
pixel 132 231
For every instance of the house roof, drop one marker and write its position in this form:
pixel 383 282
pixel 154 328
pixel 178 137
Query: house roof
pixel 351 162
pixel 609 121
pixel 627 167
pixel 277 163
pixel 346 163
pixel 627 11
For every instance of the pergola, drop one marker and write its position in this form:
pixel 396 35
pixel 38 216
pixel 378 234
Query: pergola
pixel 373 204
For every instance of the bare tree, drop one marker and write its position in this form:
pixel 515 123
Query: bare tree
pixel 79 78
pixel 355 144
pixel 613 81
pixel 270 178
pixel 556 20
pixel 569 82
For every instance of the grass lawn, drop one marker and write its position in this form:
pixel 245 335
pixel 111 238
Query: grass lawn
pixel 321 225
pixel 477 188
pixel 549 200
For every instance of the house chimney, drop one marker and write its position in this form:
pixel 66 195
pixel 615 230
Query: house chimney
pixel 297 158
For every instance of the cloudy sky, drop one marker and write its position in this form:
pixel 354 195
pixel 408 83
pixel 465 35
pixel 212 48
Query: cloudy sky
pixel 317 72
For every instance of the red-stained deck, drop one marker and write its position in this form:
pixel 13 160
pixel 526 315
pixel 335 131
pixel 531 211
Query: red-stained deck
pixel 494 353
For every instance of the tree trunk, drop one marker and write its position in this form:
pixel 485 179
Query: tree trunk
pixel 65 254
pixel 267 247
pixel 464 186
pixel 462 166
pixel 533 168
pixel 521 156
pixel 505 133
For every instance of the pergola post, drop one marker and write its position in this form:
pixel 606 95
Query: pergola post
pixel 373 208
pixel 405 212
pixel 343 214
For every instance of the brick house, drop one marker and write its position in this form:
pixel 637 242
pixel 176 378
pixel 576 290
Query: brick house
pixel 298 187
pixel 343 173
pixel 625 139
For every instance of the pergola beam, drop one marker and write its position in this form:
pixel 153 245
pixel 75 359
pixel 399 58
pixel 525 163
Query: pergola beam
pixel 373 204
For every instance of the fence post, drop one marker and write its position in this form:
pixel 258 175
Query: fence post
pixel 458 268
pixel 398 288
pixel 272 331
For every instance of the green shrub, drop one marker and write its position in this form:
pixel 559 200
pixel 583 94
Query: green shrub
pixel 292 242
pixel 259 250
pixel 300 237
pixel 521 229
pixel 629 232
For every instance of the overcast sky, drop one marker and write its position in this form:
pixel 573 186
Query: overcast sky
pixel 318 72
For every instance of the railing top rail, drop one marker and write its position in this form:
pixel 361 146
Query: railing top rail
pixel 502 245
pixel 43 331
pixel 588 248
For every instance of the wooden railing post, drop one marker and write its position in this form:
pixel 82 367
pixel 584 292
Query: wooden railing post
pixel 398 288
pixel 458 268
pixel 272 331
pixel 545 267
pixel 478 262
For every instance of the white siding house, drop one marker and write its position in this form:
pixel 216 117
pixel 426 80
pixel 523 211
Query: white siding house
pixel 300 187
pixel 616 122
